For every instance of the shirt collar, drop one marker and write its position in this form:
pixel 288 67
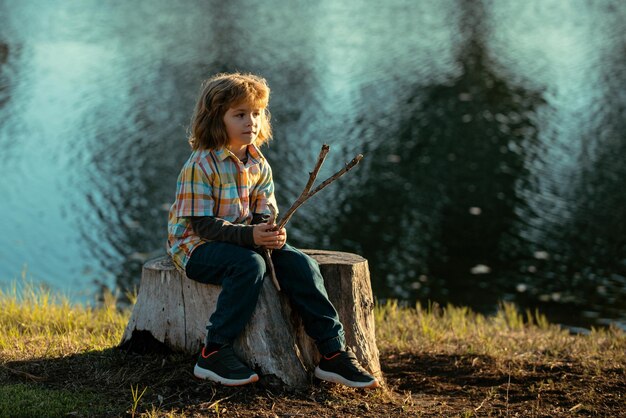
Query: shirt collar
pixel 253 151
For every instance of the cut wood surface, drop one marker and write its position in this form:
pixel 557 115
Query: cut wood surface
pixel 175 310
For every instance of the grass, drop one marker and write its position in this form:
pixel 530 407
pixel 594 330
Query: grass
pixel 509 336
pixel 18 400
pixel 59 358
pixel 35 323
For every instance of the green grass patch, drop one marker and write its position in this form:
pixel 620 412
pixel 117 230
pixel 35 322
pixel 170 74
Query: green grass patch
pixel 22 400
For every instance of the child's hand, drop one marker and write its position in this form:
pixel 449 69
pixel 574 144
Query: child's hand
pixel 265 237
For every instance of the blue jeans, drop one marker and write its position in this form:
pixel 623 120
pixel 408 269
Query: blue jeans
pixel 240 272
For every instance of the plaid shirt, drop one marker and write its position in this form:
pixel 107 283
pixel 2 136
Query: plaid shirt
pixel 215 183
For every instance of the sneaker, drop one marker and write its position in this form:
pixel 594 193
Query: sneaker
pixel 222 366
pixel 344 368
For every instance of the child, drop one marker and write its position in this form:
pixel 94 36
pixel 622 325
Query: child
pixel 219 223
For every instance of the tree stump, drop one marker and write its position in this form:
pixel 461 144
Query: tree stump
pixel 175 311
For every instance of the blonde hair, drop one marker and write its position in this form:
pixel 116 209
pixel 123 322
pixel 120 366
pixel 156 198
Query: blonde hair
pixel 219 93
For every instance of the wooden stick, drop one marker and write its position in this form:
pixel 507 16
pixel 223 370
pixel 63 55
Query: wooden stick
pixel 305 192
pixel 304 196
pixel 325 183
pixel 268 253
pixel 313 174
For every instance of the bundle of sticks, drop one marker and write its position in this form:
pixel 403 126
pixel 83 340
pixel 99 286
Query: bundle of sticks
pixel 306 194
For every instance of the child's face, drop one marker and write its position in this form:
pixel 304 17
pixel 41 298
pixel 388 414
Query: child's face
pixel 242 123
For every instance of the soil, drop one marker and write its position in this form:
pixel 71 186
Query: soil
pixel 449 385
pixel 417 384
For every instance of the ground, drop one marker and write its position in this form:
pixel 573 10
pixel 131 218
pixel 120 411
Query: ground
pixel 60 359
pixel 417 384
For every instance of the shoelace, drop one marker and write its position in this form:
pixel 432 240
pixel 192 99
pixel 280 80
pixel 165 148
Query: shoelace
pixel 352 362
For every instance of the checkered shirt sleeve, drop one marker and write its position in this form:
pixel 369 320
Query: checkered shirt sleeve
pixel 194 195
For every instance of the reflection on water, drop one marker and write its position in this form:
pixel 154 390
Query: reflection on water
pixel 493 132
pixel 450 174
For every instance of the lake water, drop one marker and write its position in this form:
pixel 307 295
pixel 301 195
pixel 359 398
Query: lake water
pixel 494 135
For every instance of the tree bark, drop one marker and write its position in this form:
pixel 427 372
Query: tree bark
pixel 174 311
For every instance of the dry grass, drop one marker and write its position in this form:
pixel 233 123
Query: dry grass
pixel 508 336
pixel 37 324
